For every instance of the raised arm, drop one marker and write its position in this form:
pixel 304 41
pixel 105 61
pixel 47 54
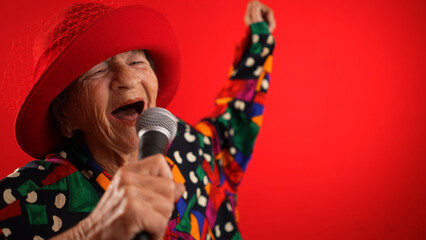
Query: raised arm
pixel 235 123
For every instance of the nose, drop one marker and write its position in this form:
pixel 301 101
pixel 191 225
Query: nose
pixel 124 77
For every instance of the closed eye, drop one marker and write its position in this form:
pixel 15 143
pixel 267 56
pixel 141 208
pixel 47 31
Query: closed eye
pixel 136 62
pixel 98 72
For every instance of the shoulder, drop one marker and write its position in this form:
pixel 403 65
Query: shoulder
pixel 190 135
pixel 190 147
pixel 35 175
pixel 39 199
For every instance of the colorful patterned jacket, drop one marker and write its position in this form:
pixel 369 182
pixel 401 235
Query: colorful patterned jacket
pixel 46 197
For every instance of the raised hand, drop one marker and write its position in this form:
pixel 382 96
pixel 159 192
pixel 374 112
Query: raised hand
pixel 258 12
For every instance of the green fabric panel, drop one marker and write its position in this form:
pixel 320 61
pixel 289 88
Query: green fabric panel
pixel 185 222
pixel 245 132
pixel 259 28
pixel 200 172
pixel 45 164
pixel 80 156
pixel 201 140
pixel 223 121
pixel 237 236
pixel 27 187
pixel 82 161
pixel 255 48
pixel 36 214
pixel 60 185
pixel 212 163
pixel 82 196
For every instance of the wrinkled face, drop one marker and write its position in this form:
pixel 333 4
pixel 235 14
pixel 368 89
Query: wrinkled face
pixel 105 102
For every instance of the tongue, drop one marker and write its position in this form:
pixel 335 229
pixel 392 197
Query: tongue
pixel 129 114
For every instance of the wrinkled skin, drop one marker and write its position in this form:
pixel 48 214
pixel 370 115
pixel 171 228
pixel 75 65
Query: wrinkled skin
pixel 125 78
pixel 142 194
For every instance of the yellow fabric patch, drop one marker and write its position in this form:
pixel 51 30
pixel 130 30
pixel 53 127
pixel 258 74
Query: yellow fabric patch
pixel 209 232
pixel 195 231
pixel 207 188
pixel 169 161
pixel 204 128
pixel 226 158
pixel 267 66
pixel 231 69
pixel 223 101
pixel 218 156
pixel 237 214
pixel 103 181
pixel 257 120
pixel 177 175
pixel 259 81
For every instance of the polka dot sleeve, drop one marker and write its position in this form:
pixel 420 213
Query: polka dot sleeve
pixel 239 106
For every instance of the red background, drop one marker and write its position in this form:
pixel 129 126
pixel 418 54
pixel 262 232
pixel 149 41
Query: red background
pixel 342 152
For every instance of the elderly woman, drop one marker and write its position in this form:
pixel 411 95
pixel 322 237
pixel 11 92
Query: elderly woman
pixel 99 68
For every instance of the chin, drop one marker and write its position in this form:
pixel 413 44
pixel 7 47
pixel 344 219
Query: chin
pixel 130 142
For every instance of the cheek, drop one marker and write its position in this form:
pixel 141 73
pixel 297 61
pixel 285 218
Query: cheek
pixel 90 102
pixel 152 86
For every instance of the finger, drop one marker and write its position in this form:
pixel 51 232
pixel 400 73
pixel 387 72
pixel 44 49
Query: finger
pixel 160 185
pixel 269 15
pixel 179 190
pixel 131 216
pixel 247 14
pixel 256 12
pixel 155 224
pixel 147 197
pixel 155 165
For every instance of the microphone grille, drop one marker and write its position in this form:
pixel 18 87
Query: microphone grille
pixel 158 117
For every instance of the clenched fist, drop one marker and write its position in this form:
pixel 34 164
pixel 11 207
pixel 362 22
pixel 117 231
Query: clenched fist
pixel 140 198
pixel 258 12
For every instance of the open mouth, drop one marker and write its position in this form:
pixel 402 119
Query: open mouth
pixel 129 112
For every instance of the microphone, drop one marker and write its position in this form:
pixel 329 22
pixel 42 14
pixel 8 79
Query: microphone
pixel 156 129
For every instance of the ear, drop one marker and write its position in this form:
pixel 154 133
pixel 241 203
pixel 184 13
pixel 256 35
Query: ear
pixel 59 112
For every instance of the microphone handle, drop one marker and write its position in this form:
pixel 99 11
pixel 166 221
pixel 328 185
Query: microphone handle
pixel 142 236
pixel 151 143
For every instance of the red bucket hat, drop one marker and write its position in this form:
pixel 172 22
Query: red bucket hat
pixel 84 35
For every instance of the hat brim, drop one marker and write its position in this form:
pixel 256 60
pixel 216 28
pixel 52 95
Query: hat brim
pixel 124 29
